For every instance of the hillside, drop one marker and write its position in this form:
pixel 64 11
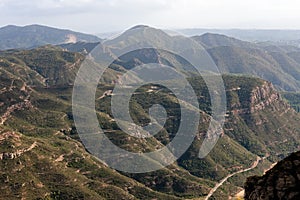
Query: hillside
pixel 40 141
pixel 17 37
pixel 277 64
pixel 37 121
pixel 210 40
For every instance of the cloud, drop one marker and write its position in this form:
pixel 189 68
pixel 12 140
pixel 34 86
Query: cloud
pixel 105 15
pixel 49 7
pixel 82 14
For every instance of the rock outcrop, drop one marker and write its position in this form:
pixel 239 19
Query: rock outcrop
pixel 13 136
pixel 261 97
pixel 13 155
pixel 281 182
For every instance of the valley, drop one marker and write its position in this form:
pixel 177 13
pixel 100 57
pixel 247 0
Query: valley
pixel 37 123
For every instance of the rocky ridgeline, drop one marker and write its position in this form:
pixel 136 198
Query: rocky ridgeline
pixel 264 96
pixel 261 97
pixel 281 182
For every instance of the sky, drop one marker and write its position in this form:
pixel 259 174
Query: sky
pixel 99 16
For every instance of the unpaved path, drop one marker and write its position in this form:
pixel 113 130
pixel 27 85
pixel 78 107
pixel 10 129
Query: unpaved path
pixel 213 190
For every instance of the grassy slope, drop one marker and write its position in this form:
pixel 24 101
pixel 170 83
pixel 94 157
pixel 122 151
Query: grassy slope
pixel 49 122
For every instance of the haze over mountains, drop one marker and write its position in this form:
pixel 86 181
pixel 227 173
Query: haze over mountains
pixel 271 36
pixel 15 37
pixel 253 35
pixel 278 63
pixel 41 154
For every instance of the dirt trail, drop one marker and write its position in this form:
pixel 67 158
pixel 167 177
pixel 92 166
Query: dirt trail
pixel 60 158
pixel 213 190
pixel 31 147
pixel 242 193
pixel 105 94
pixel 18 106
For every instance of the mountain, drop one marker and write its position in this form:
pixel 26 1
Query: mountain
pixel 39 140
pixel 15 37
pixel 281 182
pixel 210 40
pixel 41 154
pixel 279 37
pixel 277 64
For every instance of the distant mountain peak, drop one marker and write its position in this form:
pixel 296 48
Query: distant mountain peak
pixel 137 35
pixel 208 34
pixel 9 26
pixel 215 39
pixel 141 26
pixel 217 36
pixel 29 36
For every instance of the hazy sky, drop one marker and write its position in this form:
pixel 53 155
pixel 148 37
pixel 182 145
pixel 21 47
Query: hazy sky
pixel 96 16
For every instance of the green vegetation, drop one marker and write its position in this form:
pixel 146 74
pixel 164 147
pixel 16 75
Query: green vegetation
pixel 39 82
pixel 277 64
pixel 16 37
pixel 293 99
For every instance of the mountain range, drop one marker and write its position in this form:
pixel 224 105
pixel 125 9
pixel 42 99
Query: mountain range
pixel 277 63
pixel 42 156
pixel 280 37
pixel 15 37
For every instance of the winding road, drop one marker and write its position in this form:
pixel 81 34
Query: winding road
pixel 213 190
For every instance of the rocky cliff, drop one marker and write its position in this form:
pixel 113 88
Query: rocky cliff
pixel 281 182
pixel 264 96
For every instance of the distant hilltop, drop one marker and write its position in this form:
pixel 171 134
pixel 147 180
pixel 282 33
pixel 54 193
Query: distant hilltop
pixel 288 37
pixel 23 37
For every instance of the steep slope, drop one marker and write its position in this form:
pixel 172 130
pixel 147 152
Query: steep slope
pixel 46 66
pixel 259 121
pixel 13 37
pixel 58 167
pixel 281 182
pixel 256 125
pixel 277 64
pixel 45 117
pixel 38 157
pixel 248 130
